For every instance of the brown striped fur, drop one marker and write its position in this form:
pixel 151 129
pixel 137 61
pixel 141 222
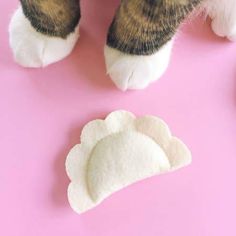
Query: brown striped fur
pixel 140 27
pixel 52 17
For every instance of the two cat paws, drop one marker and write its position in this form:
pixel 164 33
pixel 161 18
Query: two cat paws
pixel 33 49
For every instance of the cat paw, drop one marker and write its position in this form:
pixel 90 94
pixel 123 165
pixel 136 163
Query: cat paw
pixel 223 15
pixel 34 49
pixel 136 72
pixel 224 28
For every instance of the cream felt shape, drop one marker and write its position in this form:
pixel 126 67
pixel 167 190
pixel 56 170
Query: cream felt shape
pixel 136 72
pixel 34 49
pixel 117 152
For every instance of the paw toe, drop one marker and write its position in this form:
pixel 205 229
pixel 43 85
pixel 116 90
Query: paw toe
pixel 224 30
pixel 136 72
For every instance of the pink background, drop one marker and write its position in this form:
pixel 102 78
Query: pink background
pixel 42 112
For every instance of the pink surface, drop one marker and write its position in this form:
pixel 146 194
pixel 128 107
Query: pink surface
pixel 42 113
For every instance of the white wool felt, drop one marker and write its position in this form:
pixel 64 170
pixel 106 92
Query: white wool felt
pixel 223 14
pixel 136 72
pixel 117 152
pixel 34 49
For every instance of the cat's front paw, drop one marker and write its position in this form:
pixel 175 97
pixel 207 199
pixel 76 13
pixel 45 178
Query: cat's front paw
pixel 136 72
pixel 34 49
pixel 224 27
pixel 223 15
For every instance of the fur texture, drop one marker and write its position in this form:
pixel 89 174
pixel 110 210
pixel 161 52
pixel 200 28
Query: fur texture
pixel 34 49
pixel 56 18
pixel 223 14
pixel 142 27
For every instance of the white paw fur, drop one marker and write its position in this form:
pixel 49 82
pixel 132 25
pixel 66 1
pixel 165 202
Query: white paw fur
pixel 136 72
pixel 223 15
pixel 34 49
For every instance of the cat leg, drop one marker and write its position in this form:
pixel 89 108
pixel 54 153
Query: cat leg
pixel 223 15
pixel 44 31
pixel 140 40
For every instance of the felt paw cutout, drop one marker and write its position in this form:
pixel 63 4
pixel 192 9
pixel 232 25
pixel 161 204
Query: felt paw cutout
pixel 117 152
pixel 34 49
pixel 136 72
